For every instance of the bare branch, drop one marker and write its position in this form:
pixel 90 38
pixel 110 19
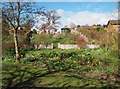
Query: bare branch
pixel 51 18
pixel 9 20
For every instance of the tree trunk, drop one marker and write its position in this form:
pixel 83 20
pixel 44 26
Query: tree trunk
pixel 16 45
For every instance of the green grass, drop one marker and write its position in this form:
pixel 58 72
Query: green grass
pixel 37 75
pixel 21 75
pixel 53 40
pixel 64 40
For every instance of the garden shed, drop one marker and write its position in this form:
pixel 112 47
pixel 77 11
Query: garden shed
pixel 65 30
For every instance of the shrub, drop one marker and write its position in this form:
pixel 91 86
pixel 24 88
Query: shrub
pixel 105 29
pixel 28 59
pixel 78 25
pixel 103 38
pixel 8 45
pixel 7 38
pixel 8 59
pixel 81 42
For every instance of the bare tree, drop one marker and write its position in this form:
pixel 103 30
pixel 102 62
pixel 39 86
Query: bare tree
pixel 43 27
pixel 51 18
pixel 72 25
pixel 18 13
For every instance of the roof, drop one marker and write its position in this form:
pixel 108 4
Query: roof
pixel 51 27
pixel 65 28
pixel 114 22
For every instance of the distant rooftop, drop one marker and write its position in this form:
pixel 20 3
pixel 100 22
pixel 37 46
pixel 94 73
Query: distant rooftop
pixel 114 22
pixel 50 27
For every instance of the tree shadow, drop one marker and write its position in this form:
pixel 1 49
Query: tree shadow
pixel 74 76
pixel 17 78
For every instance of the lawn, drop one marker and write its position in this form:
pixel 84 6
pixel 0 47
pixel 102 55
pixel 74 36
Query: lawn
pixel 35 75
pixel 48 39
pixel 63 68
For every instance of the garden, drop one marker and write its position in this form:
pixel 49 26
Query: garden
pixel 25 65
pixel 79 67
pixel 83 68
pixel 55 39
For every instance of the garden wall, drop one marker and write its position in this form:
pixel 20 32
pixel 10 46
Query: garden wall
pixel 73 46
pixel 43 46
pixel 68 46
pixel 92 46
pixel 63 46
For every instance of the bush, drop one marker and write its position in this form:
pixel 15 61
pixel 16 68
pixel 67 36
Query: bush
pixel 81 42
pixel 93 60
pixel 8 59
pixel 103 38
pixel 8 45
pixel 28 59
pixel 7 38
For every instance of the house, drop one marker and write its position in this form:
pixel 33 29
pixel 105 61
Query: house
pixel 65 30
pixel 49 29
pixel 113 25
